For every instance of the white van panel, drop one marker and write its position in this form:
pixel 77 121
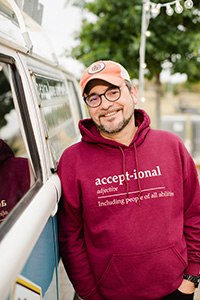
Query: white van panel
pixel 27 230
pixel 31 224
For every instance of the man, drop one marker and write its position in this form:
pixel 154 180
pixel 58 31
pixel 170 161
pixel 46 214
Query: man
pixel 129 218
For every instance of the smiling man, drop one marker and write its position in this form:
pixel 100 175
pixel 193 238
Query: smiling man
pixel 129 217
pixel 114 119
pixel 110 103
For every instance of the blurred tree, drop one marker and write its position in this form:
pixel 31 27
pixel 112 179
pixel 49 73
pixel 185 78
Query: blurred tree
pixel 115 34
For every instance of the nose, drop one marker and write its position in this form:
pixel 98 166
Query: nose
pixel 105 104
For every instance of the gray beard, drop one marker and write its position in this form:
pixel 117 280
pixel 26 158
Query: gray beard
pixel 121 126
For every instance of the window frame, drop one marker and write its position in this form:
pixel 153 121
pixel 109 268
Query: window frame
pixel 17 211
pixel 48 72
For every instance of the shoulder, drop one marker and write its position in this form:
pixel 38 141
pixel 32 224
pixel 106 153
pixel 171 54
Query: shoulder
pixel 72 157
pixel 72 151
pixel 169 143
pixel 165 136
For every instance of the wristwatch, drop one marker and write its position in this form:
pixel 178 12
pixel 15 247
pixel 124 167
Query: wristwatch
pixel 194 279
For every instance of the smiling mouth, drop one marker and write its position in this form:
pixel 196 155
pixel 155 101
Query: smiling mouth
pixel 110 114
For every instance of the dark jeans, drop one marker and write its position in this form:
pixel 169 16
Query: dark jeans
pixel 177 295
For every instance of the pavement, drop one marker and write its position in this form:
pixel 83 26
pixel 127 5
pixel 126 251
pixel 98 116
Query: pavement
pixel 197 294
pixel 66 291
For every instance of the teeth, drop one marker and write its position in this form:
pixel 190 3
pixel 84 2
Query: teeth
pixel 110 114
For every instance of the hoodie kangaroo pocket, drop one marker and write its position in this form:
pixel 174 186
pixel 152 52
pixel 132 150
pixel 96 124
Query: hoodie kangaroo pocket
pixel 142 276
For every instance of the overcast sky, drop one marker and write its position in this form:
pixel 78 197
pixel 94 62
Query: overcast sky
pixel 60 22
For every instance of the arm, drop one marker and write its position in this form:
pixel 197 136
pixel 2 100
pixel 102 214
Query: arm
pixel 191 192
pixel 74 253
pixel 71 238
pixel 192 216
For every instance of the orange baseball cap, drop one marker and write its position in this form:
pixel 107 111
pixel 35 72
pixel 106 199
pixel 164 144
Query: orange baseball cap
pixel 106 70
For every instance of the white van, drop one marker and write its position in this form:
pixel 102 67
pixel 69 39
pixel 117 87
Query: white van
pixel 39 112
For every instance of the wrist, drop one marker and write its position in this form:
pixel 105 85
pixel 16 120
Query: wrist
pixel 194 279
pixel 186 287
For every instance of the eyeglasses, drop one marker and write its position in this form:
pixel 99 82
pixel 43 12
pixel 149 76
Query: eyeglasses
pixel 111 94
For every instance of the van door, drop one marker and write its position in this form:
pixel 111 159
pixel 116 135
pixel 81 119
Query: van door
pixel 39 118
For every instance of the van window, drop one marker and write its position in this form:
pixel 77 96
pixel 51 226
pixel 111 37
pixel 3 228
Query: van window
pixel 54 102
pixel 75 100
pixel 16 172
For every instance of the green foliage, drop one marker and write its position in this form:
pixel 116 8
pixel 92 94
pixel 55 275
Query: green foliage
pixel 116 35
pixel 175 39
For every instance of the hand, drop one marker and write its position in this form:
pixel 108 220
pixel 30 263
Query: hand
pixel 186 287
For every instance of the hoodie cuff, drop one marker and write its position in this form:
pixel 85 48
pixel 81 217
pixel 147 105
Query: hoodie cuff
pixel 192 269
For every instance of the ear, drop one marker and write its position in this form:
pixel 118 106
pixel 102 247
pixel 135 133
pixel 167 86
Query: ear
pixel 134 94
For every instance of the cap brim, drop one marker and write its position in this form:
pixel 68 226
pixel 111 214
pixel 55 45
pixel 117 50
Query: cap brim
pixel 110 79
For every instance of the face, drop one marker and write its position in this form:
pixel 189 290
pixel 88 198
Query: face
pixel 112 117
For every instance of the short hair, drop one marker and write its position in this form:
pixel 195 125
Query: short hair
pixel 129 85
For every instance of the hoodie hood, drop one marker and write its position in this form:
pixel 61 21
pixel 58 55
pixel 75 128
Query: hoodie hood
pixel 5 151
pixel 90 133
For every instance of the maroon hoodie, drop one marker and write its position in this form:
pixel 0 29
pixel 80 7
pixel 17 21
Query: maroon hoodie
pixel 14 179
pixel 129 218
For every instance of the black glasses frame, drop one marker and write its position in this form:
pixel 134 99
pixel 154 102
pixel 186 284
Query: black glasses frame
pixel 103 94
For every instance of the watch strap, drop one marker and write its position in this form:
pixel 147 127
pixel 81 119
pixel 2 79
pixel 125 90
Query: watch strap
pixel 191 278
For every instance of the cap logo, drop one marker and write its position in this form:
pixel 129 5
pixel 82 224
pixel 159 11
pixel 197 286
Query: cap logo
pixel 96 68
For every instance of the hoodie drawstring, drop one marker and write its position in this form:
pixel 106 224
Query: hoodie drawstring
pixel 124 170
pixel 137 172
